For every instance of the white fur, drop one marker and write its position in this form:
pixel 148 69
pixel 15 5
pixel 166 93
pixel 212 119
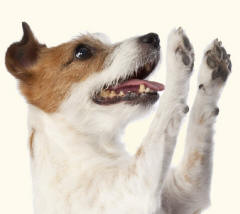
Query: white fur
pixel 102 37
pixel 80 166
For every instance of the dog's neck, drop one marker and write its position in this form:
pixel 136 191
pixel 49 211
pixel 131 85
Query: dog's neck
pixel 56 132
pixel 62 155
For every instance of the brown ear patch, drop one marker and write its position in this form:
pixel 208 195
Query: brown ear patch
pixel 47 74
pixel 22 55
pixel 56 70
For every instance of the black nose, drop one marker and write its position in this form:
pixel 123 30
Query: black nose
pixel 152 39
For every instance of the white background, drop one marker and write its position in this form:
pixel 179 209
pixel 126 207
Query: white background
pixel 55 22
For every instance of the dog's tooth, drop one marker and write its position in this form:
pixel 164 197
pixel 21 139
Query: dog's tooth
pixel 141 88
pixel 147 90
pixel 105 93
pixel 112 94
pixel 121 94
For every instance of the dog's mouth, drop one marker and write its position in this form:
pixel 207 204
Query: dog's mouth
pixel 133 90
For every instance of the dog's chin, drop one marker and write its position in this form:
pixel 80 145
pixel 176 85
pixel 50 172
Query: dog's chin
pixel 134 90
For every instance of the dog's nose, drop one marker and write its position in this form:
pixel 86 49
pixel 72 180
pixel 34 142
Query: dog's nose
pixel 152 39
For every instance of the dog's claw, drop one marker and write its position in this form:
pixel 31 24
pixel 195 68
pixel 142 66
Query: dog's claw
pixel 180 30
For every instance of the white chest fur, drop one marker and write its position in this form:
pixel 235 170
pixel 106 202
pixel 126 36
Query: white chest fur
pixel 73 173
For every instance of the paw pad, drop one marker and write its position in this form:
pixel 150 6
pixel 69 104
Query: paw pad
pixel 219 61
pixel 185 49
pixel 186 110
pixel 185 58
pixel 216 111
pixel 201 86
pixel 186 43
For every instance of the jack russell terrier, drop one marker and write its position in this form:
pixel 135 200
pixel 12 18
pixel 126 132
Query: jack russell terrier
pixel 81 95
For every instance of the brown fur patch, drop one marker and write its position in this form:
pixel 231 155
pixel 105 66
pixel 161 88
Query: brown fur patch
pixel 201 120
pixel 51 79
pixel 46 81
pixel 31 143
pixel 140 152
pixel 132 169
pixel 193 159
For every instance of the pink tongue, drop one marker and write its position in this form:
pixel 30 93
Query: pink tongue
pixel 155 86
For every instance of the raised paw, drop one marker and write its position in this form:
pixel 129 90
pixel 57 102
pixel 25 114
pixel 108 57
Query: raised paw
pixel 180 50
pixel 219 61
pixel 215 69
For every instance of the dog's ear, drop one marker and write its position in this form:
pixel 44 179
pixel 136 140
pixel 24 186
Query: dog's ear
pixel 22 55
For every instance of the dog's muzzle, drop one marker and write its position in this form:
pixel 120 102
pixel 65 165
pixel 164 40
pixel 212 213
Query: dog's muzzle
pixel 135 89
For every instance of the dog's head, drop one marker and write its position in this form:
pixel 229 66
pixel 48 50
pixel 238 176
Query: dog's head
pixel 87 77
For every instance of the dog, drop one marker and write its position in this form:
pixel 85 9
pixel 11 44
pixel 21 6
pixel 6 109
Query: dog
pixel 81 95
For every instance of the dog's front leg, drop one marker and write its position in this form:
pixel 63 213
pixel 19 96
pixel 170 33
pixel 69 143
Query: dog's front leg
pixel 153 158
pixel 187 187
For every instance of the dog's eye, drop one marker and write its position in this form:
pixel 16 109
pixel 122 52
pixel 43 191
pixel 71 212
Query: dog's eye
pixel 83 52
